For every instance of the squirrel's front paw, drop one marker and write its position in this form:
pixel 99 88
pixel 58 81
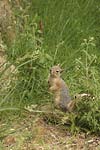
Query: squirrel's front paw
pixel 50 89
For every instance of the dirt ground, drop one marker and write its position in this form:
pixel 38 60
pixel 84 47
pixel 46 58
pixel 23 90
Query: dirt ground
pixel 33 133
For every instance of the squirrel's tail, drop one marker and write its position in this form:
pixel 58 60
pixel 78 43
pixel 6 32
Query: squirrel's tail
pixel 72 104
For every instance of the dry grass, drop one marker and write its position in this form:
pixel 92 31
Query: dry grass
pixel 32 133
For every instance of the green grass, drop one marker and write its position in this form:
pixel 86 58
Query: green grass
pixel 69 36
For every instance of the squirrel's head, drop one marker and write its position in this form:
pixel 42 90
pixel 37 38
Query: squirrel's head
pixel 55 71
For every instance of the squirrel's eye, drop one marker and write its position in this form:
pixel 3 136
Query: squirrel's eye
pixel 57 71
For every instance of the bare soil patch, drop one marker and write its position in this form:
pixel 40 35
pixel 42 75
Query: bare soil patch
pixel 32 133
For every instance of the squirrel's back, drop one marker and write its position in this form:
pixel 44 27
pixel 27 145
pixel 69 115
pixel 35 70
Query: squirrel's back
pixel 64 96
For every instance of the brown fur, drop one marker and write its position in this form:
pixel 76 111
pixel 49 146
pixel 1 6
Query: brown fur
pixel 60 90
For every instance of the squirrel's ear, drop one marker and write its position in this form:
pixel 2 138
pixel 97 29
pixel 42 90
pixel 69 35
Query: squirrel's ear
pixel 58 65
pixel 62 70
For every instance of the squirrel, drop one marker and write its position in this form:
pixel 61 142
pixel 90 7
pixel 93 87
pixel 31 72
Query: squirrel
pixel 60 89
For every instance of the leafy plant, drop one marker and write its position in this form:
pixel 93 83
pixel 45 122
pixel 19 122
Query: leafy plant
pixel 87 80
pixel 31 63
